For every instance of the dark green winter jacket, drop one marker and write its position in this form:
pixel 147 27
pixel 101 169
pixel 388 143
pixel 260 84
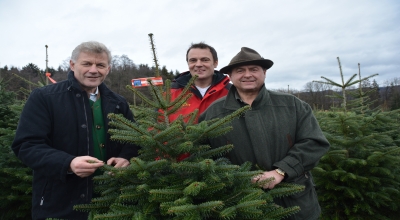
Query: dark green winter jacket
pixel 279 131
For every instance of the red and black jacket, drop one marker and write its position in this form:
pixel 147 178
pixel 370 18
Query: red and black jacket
pixel 219 88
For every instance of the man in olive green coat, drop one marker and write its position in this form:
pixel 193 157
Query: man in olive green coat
pixel 279 134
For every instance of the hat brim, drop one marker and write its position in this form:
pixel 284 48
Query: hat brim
pixel 265 63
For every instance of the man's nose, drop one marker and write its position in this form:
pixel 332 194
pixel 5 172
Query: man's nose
pixel 93 68
pixel 247 73
pixel 199 63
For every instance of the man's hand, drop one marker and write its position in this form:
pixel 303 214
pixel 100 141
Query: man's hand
pixel 85 166
pixel 268 174
pixel 118 162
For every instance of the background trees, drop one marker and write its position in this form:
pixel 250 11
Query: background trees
pixel 123 70
pixel 15 178
pixel 319 95
pixel 359 178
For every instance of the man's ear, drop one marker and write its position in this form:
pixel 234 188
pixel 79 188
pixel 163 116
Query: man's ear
pixel 71 65
pixel 216 64
pixel 108 70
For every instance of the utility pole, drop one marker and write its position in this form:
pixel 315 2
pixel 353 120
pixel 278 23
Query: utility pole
pixel 47 60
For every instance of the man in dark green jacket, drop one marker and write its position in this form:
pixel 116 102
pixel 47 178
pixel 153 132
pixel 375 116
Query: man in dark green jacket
pixel 279 134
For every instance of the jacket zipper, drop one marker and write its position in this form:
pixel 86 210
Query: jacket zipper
pixel 44 189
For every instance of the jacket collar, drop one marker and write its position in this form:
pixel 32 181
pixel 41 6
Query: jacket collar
pixel 183 78
pixel 233 103
pixel 73 82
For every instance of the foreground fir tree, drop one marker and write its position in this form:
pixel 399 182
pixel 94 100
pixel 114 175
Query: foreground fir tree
pixel 15 177
pixel 160 185
pixel 359 178
pixel 176 175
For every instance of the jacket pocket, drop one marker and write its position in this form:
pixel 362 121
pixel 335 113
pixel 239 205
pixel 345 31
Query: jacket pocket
pixel 46 193
pixel 307 200
pixel 43 193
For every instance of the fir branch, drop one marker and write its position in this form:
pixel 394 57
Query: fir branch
pixel 184 94
pixel 108 199
pixel 194 188
pixel 164 194
pixel 131 197
pixel 216 152
pixel 125 124
pixel 179 101
pixel 228 213
pixel 90 207
pixel 115 215
pixel 212 189
pixel 167 89
pixel 227 119
pixel 110 190
pixel 280 212
pixel 157 95
pixel 144 98
pixel 169 133
pixel 184 210
pixel 187 167
pixel 210 206
pixel 285 189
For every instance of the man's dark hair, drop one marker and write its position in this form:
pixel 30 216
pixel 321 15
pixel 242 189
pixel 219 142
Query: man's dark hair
pixel 202 45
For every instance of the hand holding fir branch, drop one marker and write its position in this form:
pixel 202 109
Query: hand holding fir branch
pixel 268 179
pixel 85 166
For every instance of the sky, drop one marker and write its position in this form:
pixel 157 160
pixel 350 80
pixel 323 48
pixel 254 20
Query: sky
pixel 302 38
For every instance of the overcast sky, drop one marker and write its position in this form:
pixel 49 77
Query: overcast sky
pixel 303 38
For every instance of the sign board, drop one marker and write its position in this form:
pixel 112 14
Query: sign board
pixel 141 82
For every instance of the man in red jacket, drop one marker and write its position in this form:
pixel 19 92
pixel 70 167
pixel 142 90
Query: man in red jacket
pixel 210 85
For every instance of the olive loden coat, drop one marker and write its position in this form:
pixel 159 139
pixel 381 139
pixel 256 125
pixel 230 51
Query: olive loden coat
pixel 279 131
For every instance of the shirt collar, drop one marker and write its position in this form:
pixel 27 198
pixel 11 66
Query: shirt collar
pixel 93 96
pixel 237 97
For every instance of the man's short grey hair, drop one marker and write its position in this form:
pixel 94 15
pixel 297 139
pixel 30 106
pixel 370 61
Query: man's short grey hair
pixel 90 47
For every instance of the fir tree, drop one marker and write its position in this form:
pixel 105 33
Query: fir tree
pixel 15 178
pixel 161 184
pixel 359 178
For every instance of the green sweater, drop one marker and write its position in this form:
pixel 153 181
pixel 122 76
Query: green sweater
pixel 279 131
pixel 98 130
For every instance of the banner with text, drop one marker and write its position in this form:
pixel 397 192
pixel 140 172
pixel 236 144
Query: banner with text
pixel 141 82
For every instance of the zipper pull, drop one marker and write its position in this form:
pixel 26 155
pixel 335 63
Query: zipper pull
pixel 41 201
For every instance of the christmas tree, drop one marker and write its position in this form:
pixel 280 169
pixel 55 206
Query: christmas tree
pixel 177 175
pixel 359 178
pixel 15 177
